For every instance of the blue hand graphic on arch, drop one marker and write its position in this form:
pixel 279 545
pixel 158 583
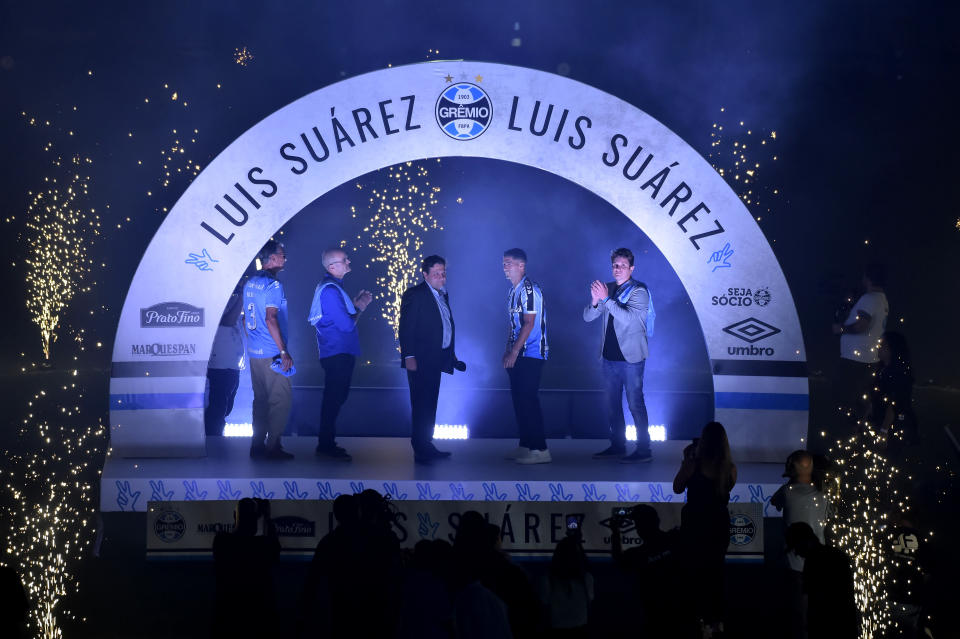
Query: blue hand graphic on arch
pixel 757 496
pixel 393 491
pixel 557 493
pixel 226 491
pixel 458 492
pixel 524 493
pixel 490 492
pixel 657 494
pixel 356 487
pixel 425 492
pixel 191 492
pixel 293 491
pixel 126 499
pixel 158 493
pixel 326 491
pixel 590 493
pixel 427 528
pixel 260 491
pixel 624 494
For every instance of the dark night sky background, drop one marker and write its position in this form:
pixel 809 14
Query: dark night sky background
pixel 858 92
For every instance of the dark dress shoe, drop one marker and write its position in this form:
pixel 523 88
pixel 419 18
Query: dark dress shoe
pixel 277 453
pixel 333 452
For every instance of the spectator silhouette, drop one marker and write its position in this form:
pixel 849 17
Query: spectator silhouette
pixel 828 584
pixel 14 606
pixel 245 601
pixel 891 398
pixel 800 501
pixel 355 569
pixel 479 559
pixel 653 567
pixel 427 605
pixel 568 590
pixel 708 474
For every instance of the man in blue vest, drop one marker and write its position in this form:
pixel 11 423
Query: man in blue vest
pixel 265 318
pixel 335 314
pixel 625 309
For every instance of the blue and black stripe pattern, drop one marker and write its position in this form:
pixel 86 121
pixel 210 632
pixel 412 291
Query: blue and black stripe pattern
pixel 526 298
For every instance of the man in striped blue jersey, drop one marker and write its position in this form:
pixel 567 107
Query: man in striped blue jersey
pixel 524 358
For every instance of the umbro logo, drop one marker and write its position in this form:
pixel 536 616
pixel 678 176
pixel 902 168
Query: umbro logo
pixel 751 330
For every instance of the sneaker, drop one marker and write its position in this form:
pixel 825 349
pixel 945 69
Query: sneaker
pixel 535 457
pixel 333 452
pixel 610 453
pixel 637 457
pixel 277 453
pixel 518 452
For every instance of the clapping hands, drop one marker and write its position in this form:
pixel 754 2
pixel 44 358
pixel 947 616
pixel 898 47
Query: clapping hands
pixel 598 291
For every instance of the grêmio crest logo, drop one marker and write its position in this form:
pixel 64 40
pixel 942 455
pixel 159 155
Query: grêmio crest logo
pixel 171 315
pixel 163 350
pixel 742 297
pixel 742 529
pixel 751 330
pixel 464 111
pixel 169 526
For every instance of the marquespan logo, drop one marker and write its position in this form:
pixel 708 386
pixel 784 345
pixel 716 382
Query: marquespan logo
pixel 742 529
pixel 464 111
pixel 169 526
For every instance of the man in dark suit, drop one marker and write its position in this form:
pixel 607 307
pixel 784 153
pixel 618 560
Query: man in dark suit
pixel 426 350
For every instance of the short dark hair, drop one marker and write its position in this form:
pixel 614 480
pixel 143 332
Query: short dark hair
pixel 430 261
pixel 270 248
pixel 876 273
pixel 621 252
pixel 517 254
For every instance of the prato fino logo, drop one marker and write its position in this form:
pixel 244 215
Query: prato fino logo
pixel 464 111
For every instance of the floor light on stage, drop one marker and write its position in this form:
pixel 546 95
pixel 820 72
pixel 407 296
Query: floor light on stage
pixel 658 432
pixel 450 431
pixel 238 430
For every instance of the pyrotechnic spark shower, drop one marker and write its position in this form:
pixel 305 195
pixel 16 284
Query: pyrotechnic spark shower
pixel 50 506
pixel 400 215
pixel 737 153
pixel 59 234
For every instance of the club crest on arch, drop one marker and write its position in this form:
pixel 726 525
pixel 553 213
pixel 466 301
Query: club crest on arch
pixel 464 111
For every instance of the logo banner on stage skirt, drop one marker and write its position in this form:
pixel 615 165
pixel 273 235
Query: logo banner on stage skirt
pixel 187 528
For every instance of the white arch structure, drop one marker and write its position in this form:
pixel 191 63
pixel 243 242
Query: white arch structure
pixel 277 167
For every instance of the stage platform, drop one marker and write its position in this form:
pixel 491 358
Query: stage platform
pixel 477 470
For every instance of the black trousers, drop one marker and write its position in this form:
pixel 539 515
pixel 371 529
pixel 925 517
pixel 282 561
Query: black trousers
pixel 338 371
pixel 424 391
pixel 525 389
pixel 224 383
